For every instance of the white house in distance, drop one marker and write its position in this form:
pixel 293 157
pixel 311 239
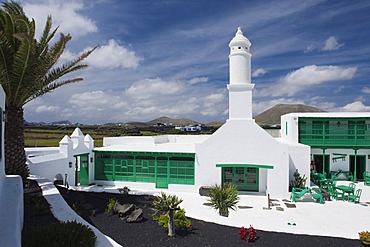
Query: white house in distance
pixel 340 141
pixel 11 194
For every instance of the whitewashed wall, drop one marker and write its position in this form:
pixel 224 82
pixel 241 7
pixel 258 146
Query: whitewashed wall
pixel 50 165
pixel 244 142
pixel 11 198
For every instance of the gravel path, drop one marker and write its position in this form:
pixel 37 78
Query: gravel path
pixel 91 207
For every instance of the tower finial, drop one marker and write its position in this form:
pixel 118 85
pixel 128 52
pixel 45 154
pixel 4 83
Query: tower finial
pixel 239 32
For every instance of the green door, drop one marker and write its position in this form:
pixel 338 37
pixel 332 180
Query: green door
pixel 360 165
pixel 162 175
pixel 245 178
pixel 84 169
pixel 321 165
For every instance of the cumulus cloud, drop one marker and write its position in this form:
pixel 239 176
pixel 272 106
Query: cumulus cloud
pixel 154 88
pixel 365 90
pixel 331 44
pixel 356 106
pixel 259 72
pixel 44 108
pixel 196 80
pixel 65 14
pixel 112 56
pixel 306 77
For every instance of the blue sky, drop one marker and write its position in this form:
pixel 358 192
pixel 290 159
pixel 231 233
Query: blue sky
pixel 170 57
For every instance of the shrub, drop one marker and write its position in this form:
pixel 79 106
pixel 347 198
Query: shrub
pixel 180 220
pixel 298 181
pixel 365 238
pixel 223 198
pixel 110 205
pixel 68 233
pixel 248 234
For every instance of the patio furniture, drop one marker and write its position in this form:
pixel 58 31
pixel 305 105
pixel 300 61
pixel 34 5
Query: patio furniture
pixel 317 195
pixel 297 193
pixel 353 187
pixel 356 197
pixel 343 189
pixel 367 178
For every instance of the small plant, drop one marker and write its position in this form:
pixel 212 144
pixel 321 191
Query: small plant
pixel 78 205
pixel 110 205
pixel 124 191
pixel 298 181
pixel 223 198
pixel 248 234
pixel 365 238
pixel 167 204
pixel 180 220
pixel 68 233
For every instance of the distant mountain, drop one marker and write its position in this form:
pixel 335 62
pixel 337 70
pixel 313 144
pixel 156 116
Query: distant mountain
pixel 272 115
pixel 64 122
pixel 172 121
pixel 215 124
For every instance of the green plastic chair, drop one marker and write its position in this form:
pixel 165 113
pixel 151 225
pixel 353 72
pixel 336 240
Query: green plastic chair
pixel 297 193
pixel 356 197
pixel 353 187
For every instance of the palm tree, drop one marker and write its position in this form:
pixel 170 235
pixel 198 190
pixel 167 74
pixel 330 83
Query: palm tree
pixel 27 70
pixel 223 198
pixel 164 203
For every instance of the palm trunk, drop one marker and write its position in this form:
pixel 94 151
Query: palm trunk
pixel 15 156
pixel 171 223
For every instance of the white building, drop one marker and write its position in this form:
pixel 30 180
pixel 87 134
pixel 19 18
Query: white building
pixel 239 152
pixel 340 141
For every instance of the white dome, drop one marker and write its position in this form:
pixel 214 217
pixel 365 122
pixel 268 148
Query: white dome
pixel 240 39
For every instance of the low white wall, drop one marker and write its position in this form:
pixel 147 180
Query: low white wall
pixel 50 168
pixel 11 211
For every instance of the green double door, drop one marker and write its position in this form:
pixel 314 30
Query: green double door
pixel 245 178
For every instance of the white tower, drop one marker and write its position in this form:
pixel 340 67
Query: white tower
pixel 240 87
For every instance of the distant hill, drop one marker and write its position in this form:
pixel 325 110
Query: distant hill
pixel 215 124
pixel 272 115
pixel 172 121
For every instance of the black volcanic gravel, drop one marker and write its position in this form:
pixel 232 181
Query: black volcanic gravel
pixel 149 233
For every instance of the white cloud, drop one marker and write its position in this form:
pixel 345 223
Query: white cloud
pixel 307 77
pixel 310 48
pixel 365 90
pixel 339 89
pixel 112 56
pixel 259 72
pixel 44 108
pixel 356 106
pixel 153 88
pixel 64 14
pixel 331 44
pixel 196 80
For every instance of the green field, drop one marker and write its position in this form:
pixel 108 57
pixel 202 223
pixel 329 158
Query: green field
pixel 50 136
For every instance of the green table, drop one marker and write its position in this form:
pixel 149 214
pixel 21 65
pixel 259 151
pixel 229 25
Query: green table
pixel 345 189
